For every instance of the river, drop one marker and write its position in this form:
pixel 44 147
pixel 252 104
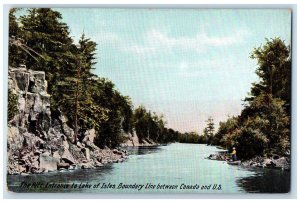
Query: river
pixel 174 168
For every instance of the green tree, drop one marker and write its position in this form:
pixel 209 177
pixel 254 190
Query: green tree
pixel 226 127
pixel 75 88
pixel 16 52
pixel 159 126
pixel 263 126
pixel 118 112
pixel 209 130
pixel 274 70
pixel 141 121
pixel 43 31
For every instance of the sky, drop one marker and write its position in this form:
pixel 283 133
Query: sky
pixel 187 64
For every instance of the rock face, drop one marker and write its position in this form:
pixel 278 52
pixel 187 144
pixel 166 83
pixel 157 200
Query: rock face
pixel 133 140
pixel 39 143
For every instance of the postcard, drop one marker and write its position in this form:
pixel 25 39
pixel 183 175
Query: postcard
pixel 149 101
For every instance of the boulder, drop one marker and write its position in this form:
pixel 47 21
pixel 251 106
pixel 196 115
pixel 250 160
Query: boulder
pixel 268 163
pixel 115 151
pixel 56 156
pixel 34 167
pixel 98 164
pixel 47 162
pixel 73 167
pixel 63 165
pixel 68 157
pixel 89 135
pixel 87 153
pixel 281 162
pixel 87 165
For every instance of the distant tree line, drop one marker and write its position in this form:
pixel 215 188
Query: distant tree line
pixel 41 41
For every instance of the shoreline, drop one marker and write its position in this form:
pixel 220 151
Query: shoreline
pixel 98 158
pixel 109 156
pixel 120 154
pixel 270 162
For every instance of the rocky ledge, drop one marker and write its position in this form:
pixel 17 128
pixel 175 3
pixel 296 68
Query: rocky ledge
pixel 40 142
pixel 274 161
pixel 133 141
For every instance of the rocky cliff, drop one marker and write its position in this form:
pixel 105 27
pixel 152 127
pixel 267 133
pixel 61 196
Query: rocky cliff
pixel 133 141
pixel 38 142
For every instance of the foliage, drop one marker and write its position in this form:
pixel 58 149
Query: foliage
pixel 274 71
pixel 190 137
pixel 263 128
pixel 208 132
pixel 16 54
pixel 226 127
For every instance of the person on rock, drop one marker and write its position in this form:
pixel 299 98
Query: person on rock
pixel 233 154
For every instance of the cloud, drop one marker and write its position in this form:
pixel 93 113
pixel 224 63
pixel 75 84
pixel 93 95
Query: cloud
pixel 202 66
pixel 155 41
pixel 105 37
pixel 138 49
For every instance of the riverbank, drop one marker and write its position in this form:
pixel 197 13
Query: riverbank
pixel 39 140
pixel 274 161
pixel 69 157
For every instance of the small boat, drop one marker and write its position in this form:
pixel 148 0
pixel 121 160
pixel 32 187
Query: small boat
pixel 234 162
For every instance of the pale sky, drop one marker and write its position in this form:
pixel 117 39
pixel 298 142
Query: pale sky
pixel 187 64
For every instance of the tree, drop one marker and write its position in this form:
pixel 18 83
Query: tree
pixel 43 31
pixel 76 88
pixel 209 130
pixel 226 127
pixel 118 113
pixel 263 128
pixel 141 121
pixel 160 125
pixel 274 70
pixel 15 53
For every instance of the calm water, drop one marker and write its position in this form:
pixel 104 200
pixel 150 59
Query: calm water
pixel 175 164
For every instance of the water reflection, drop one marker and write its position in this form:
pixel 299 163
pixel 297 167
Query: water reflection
pixel 143 150
pixel 266 181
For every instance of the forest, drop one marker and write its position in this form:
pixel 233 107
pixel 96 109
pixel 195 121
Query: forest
pixel 40 40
